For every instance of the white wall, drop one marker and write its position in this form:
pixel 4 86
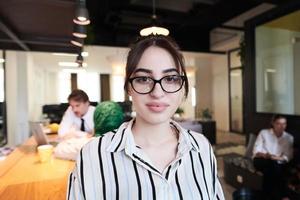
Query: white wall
pixel 220 92
pixel 204 80
pixel 17 96
pixel 189 110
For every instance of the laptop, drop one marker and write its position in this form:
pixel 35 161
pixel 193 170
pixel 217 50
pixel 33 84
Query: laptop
pixel 38 133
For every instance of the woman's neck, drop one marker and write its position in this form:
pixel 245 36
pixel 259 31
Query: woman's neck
pixel 146 134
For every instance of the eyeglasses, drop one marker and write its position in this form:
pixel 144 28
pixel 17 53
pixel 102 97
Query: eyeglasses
pixel 145 84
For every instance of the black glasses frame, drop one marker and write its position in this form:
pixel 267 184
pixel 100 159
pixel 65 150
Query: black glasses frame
pixel 183 78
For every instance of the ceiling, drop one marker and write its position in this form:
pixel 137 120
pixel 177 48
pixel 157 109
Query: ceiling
pixel 46 25
pixel 288 22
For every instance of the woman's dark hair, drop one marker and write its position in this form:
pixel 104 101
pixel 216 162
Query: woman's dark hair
pixel 78 96
pixel 275 118
pixel 164 42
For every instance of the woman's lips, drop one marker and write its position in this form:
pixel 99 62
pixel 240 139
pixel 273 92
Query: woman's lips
pixel 157 107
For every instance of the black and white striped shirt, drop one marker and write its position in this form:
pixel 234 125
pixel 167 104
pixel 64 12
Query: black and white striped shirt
pixel 113 167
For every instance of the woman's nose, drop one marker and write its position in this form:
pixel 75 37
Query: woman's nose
pixel 157 91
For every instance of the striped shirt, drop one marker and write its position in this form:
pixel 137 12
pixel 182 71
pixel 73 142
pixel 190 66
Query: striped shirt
pixel 113 167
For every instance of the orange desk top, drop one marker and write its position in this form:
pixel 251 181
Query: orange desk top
pixel 23 177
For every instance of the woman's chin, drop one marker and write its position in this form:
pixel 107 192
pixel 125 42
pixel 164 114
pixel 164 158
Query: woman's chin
pixel 156 119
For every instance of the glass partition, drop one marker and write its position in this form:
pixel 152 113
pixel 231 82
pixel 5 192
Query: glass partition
pixel 277 47
pixel 236 91
pixel 2 101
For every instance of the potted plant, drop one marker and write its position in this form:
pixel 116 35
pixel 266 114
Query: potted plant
pixel 178 113
pixel 206 114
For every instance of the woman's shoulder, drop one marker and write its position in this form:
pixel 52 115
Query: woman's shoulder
pixel 199 139
pixel 102 141
pixel 199 136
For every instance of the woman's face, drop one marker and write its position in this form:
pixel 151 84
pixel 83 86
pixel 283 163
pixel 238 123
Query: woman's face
pixel 157 106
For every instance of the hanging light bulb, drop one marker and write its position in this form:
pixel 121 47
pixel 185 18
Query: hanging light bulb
pixel 79 31
pixel 154 29
pixel 77 41
pixel 81 14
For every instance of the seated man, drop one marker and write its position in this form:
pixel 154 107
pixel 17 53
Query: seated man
pixel 78 118
pixel 76 127
pixel 273 149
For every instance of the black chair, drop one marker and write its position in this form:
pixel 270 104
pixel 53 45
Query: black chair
pixel 245 194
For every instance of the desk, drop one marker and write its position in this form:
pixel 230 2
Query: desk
pixel 23 177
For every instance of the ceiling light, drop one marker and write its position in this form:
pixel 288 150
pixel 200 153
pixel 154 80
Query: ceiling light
pixel 2 60
pixel 64 54
pixel 71 64
pixel 75 71
pixel 68 64
pixel 77 41
pixel 87 22
pixel 81 14
pixel 85 54
pixel 79 31
pixel 154 29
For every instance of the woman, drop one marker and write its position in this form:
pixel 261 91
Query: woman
pixel 150 157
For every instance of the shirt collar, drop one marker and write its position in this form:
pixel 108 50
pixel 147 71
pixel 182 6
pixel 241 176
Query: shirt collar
pixel 186 139
pixel 87 114
pixel 283 134
pixel 123 139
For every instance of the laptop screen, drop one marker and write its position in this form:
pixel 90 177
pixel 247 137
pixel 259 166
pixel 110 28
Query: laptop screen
pixel 38 133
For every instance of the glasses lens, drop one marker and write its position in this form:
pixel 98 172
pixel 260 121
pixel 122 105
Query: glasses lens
pixel 142 84
pixel 172 83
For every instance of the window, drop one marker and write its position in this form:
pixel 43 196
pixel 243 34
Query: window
pixel 86 81
pixel 64 86
pixel 3 134
pixel 277 47
pixel 90 83
pixel 235 91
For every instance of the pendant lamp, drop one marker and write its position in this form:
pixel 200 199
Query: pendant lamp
pixel 154 29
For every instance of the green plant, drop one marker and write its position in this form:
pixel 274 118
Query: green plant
pixel 179 111
pixel 206 113
pixel 242 50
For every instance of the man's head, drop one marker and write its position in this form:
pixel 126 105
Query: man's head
pixel 278 124
pixel 79 101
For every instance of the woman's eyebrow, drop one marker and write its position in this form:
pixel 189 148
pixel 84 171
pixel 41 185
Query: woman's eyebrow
pixel 148 71
pixel 170 70
pixel 143 70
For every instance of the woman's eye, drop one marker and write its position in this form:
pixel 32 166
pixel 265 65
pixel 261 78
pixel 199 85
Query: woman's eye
pixel 143 80
pixel 172 79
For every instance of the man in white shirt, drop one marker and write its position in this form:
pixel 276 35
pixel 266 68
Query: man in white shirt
pixel 272 150
pixel 78 119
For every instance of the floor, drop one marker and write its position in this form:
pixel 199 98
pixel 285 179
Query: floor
pixel 223 138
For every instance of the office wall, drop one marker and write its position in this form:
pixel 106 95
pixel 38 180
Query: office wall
pixel 204 82
pixel 220 92
pixel 189 110
pixel 17 64
pixel 211 81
